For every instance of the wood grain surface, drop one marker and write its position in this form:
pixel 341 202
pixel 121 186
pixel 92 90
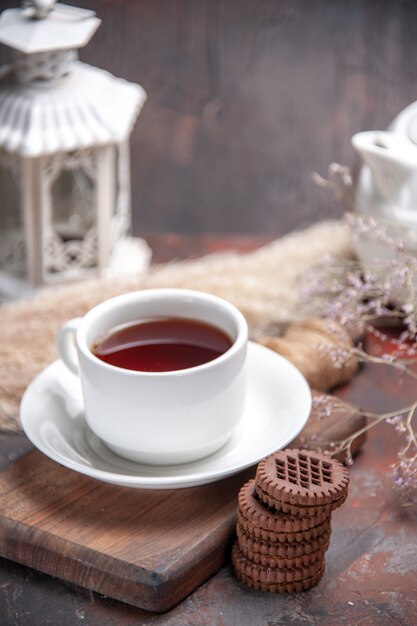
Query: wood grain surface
pixel 247 98
pixel 148 548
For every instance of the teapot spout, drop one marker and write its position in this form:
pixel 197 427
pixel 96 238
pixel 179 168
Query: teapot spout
pixel 392 160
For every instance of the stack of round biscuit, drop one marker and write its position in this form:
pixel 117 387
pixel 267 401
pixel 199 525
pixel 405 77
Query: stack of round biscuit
pixel 284 520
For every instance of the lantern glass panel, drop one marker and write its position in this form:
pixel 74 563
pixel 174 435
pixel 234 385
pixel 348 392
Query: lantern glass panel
pixel 12 248
pixel 122 217
pixel 73 204
pixel 118 189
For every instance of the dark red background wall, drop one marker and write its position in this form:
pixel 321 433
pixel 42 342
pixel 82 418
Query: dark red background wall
pixel 246 98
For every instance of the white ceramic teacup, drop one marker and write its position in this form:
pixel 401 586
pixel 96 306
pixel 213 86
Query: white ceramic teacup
pixel 159 417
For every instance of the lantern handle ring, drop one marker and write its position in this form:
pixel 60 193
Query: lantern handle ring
pixel 40 8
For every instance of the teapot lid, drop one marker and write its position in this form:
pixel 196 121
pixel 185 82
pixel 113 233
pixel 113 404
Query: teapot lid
pixel 412 130
pixel 406 123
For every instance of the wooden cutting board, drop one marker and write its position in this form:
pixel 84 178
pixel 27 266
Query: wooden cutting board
pixel 148 548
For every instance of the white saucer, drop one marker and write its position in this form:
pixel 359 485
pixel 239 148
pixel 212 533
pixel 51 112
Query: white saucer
pixel 277 407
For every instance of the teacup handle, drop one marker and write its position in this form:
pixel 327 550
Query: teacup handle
pixel 65 344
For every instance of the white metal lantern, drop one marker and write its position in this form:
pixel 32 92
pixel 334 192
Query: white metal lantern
pixel 64 153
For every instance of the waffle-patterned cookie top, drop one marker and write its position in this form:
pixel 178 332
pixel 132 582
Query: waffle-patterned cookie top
pixel 302 477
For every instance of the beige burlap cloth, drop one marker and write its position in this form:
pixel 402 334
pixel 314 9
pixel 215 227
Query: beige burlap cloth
pixel 263 284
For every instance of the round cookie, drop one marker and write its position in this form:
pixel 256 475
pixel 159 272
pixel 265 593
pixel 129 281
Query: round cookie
pixel 289 550
pixel 271 562
pixel 263 517
pixel 298 510
pixel 275 579
pixel 291 587
pixel 302 478
pixel 281 536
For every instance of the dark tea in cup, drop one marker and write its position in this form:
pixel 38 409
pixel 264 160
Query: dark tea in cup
pixel 164 344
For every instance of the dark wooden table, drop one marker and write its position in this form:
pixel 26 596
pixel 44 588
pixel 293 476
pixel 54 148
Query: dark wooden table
pixel 371 571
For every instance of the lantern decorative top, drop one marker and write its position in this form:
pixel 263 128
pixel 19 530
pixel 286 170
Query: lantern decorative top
pixel 43 25
pixel 82 106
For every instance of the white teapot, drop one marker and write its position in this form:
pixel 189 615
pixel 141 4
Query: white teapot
pixel 387 184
